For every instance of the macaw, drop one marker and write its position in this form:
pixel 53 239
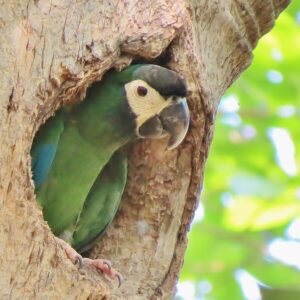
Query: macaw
pixel 78 163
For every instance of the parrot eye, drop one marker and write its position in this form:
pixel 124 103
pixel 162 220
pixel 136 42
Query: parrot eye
pixel 142 91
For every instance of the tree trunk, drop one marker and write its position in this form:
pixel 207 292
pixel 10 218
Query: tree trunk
pixel 51 51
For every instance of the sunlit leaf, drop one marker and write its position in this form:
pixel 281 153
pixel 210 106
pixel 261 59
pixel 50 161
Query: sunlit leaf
pixel 250 213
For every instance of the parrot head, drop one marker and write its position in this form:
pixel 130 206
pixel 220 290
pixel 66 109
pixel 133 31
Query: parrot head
pixel 156 97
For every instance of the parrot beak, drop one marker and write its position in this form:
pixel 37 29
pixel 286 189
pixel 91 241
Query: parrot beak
pixel 173 120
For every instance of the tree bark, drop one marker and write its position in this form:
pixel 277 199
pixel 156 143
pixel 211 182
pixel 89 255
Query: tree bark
pixel 51 51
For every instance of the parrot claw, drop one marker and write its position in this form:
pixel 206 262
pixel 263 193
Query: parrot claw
pixel 79 261
pixel 120 278
pixel 104 266
pixel 108 263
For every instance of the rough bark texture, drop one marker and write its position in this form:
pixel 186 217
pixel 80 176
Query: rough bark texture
pixel 50 51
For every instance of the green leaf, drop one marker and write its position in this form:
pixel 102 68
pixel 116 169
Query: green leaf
pixel 251 213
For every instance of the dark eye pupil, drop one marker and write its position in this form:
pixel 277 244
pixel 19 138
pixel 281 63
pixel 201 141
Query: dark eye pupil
pixel 142 91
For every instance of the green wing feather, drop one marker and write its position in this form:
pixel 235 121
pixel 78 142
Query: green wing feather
pixel 75 167
pixel 102 202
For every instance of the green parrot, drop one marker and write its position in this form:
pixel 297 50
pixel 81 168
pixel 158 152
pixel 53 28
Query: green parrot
pixel 78 163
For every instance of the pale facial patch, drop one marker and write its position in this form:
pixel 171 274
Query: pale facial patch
pixel 144 106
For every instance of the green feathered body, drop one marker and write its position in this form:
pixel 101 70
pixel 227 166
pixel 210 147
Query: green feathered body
pixel 77 188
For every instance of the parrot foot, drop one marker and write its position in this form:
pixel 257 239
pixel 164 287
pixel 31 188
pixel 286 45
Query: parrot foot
pixel 102 265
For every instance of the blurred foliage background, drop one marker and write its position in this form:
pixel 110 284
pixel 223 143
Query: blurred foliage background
pixel 245 239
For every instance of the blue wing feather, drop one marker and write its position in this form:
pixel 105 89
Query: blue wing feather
pixel 44 148
pixel 41 163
